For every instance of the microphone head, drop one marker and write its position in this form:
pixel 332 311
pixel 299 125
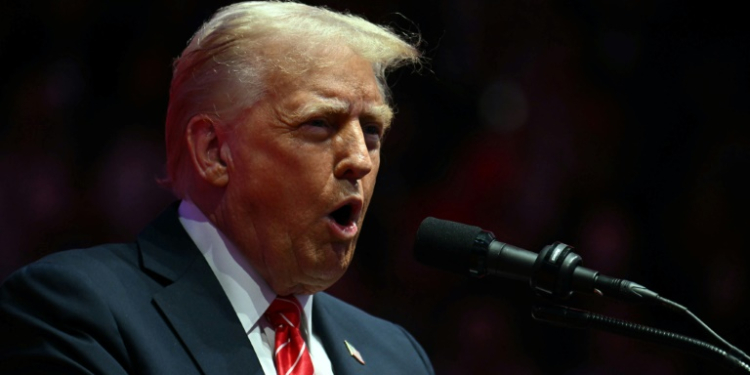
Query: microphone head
pixel 445 244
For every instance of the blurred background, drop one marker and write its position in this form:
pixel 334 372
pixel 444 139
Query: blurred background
pixel 618 127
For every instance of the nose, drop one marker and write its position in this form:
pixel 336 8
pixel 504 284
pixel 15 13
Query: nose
pixel 353 159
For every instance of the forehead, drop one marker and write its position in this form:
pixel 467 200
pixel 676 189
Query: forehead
pixel 339 82
pixel 322 68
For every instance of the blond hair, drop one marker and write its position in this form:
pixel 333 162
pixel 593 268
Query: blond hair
pixel 226 65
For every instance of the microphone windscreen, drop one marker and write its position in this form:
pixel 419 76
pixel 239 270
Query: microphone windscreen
pixel 445 244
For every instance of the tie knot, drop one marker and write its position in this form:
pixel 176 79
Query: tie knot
pixel 284 312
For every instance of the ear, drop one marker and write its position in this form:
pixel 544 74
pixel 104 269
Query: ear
pixel 207 150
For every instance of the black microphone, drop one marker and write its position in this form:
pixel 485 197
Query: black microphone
pixel 555 272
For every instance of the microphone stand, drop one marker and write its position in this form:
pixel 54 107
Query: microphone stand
pixel 555 276
pixel 556 273
pixel 573 318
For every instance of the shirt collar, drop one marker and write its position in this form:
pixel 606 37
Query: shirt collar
pixel 248 293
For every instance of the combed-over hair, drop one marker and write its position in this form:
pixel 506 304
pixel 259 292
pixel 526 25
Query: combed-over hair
pixel 226 66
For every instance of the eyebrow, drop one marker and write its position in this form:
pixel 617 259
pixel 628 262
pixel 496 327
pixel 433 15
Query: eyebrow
pixel 333 106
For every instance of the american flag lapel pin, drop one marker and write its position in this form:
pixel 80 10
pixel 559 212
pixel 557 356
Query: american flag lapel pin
pixel 354 352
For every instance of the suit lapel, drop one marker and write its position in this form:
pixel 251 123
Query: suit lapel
pixel 193 302
pixel 205 321
pixel 332 331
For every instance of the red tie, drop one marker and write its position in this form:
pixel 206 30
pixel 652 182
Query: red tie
pixel 290 351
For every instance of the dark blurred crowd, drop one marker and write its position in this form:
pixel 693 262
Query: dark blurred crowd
pixel 620 128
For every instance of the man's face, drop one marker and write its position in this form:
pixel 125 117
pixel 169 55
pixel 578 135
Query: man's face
pixel 302 171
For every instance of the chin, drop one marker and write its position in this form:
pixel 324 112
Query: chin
pixel 331 264
pixel 323 279
pixel 305 288
pixel 319 274
pixel 343 251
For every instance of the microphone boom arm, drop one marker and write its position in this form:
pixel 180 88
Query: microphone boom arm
pixel 554 273
pixel 573 318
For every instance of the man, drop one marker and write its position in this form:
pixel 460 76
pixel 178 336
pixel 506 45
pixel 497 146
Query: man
pixel 276 117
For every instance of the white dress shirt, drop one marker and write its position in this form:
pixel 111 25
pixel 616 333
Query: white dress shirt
pixel 249 294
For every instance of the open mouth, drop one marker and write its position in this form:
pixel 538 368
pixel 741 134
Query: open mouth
pixel 344 220
pixel 348 213
pixel 343 215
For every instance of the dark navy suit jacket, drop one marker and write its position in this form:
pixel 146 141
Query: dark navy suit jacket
pixel 155 307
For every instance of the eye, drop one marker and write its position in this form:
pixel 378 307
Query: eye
pixel 371 129
pixel 316 129
pixel 373 134
pixel 317 123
